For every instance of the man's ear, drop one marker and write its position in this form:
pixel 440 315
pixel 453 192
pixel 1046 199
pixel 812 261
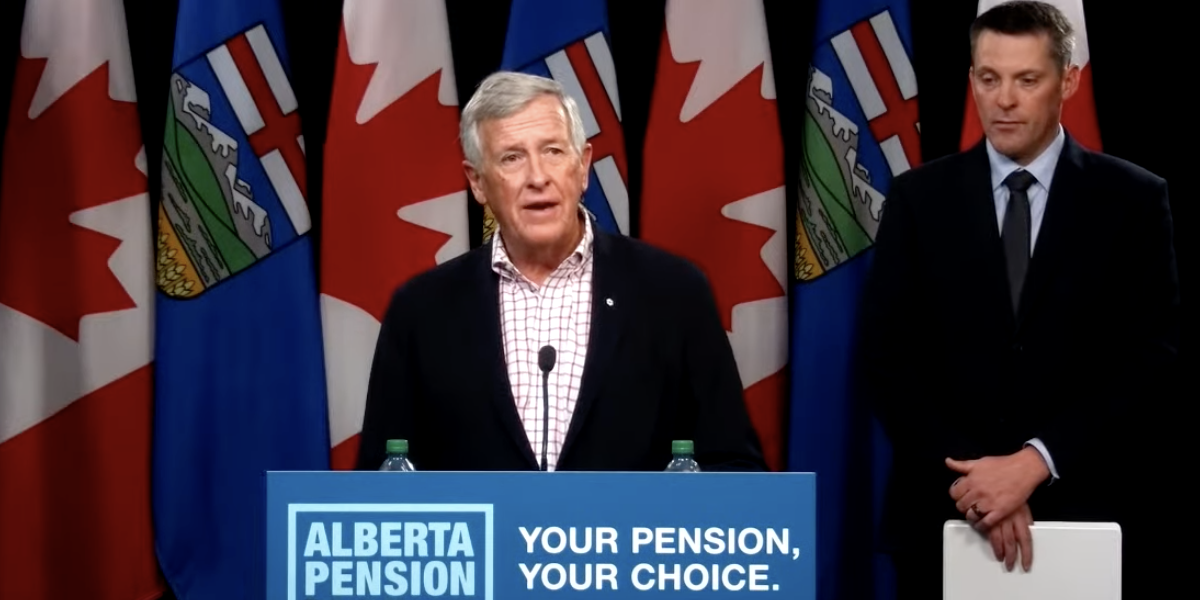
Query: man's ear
pixel 473 179
pixel 585 160
pixel 1070 81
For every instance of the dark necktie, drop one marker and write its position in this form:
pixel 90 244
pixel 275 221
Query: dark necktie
pixel 1015 234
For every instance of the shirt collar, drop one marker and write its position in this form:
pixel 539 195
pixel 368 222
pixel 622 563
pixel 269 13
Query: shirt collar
pixel 504 266
pixel 1042 167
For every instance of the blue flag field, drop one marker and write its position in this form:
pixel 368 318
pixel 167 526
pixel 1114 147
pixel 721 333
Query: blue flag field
pixel 240 384
pixel 861 128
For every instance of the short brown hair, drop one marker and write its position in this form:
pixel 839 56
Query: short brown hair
pixel 1019 17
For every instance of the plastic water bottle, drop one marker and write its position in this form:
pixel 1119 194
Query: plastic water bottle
pixel 397 457
pixel 682 460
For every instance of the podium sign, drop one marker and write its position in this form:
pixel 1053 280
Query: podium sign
pixel 525 536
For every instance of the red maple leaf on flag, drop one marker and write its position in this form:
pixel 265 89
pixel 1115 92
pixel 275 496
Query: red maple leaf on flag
pixel 730 151
pixel 694 169
pixel 406 154
pixel 65 160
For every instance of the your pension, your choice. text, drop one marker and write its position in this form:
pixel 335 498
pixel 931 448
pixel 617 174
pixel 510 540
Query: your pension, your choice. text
pixel 453 570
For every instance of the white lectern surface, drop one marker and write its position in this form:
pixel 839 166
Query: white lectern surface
pixel 1071 561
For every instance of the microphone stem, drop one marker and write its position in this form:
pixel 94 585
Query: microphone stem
pixel 545 418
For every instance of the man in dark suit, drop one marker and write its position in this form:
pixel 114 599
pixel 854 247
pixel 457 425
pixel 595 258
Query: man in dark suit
pixel 1022 300
pixel 639 354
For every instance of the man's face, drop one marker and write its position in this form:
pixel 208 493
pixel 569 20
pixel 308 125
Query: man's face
pixel 531 176
pixel 1019 92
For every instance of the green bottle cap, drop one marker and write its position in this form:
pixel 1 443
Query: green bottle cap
pixel 397 446
pixel 683 447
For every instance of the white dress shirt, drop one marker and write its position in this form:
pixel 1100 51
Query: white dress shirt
pixel 1042 168
pixel 557 313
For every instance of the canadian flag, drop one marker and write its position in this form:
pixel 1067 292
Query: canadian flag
pixel 714 186
pixel 1079 111
pixel 76 294
pixel 395 197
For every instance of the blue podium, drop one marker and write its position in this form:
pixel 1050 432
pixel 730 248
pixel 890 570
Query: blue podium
pixel 531 535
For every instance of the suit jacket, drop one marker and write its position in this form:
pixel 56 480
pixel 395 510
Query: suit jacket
pixel 659 367
pixel 952 372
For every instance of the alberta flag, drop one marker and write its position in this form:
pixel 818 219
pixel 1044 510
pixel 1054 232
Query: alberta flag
pixel 569 42
pixel 240 381
pixel 860 129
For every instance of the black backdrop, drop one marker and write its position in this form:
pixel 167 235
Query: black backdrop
pixel 1137 56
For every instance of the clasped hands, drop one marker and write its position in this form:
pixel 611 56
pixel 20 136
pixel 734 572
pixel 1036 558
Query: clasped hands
pixel 993 495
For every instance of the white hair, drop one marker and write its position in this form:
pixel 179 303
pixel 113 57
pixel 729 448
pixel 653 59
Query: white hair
pixel 505 93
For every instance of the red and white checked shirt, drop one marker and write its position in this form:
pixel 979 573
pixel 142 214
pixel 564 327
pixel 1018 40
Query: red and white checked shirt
pixel 559 313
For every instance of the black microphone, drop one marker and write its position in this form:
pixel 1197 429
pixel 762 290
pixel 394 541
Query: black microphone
pixel 545 363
